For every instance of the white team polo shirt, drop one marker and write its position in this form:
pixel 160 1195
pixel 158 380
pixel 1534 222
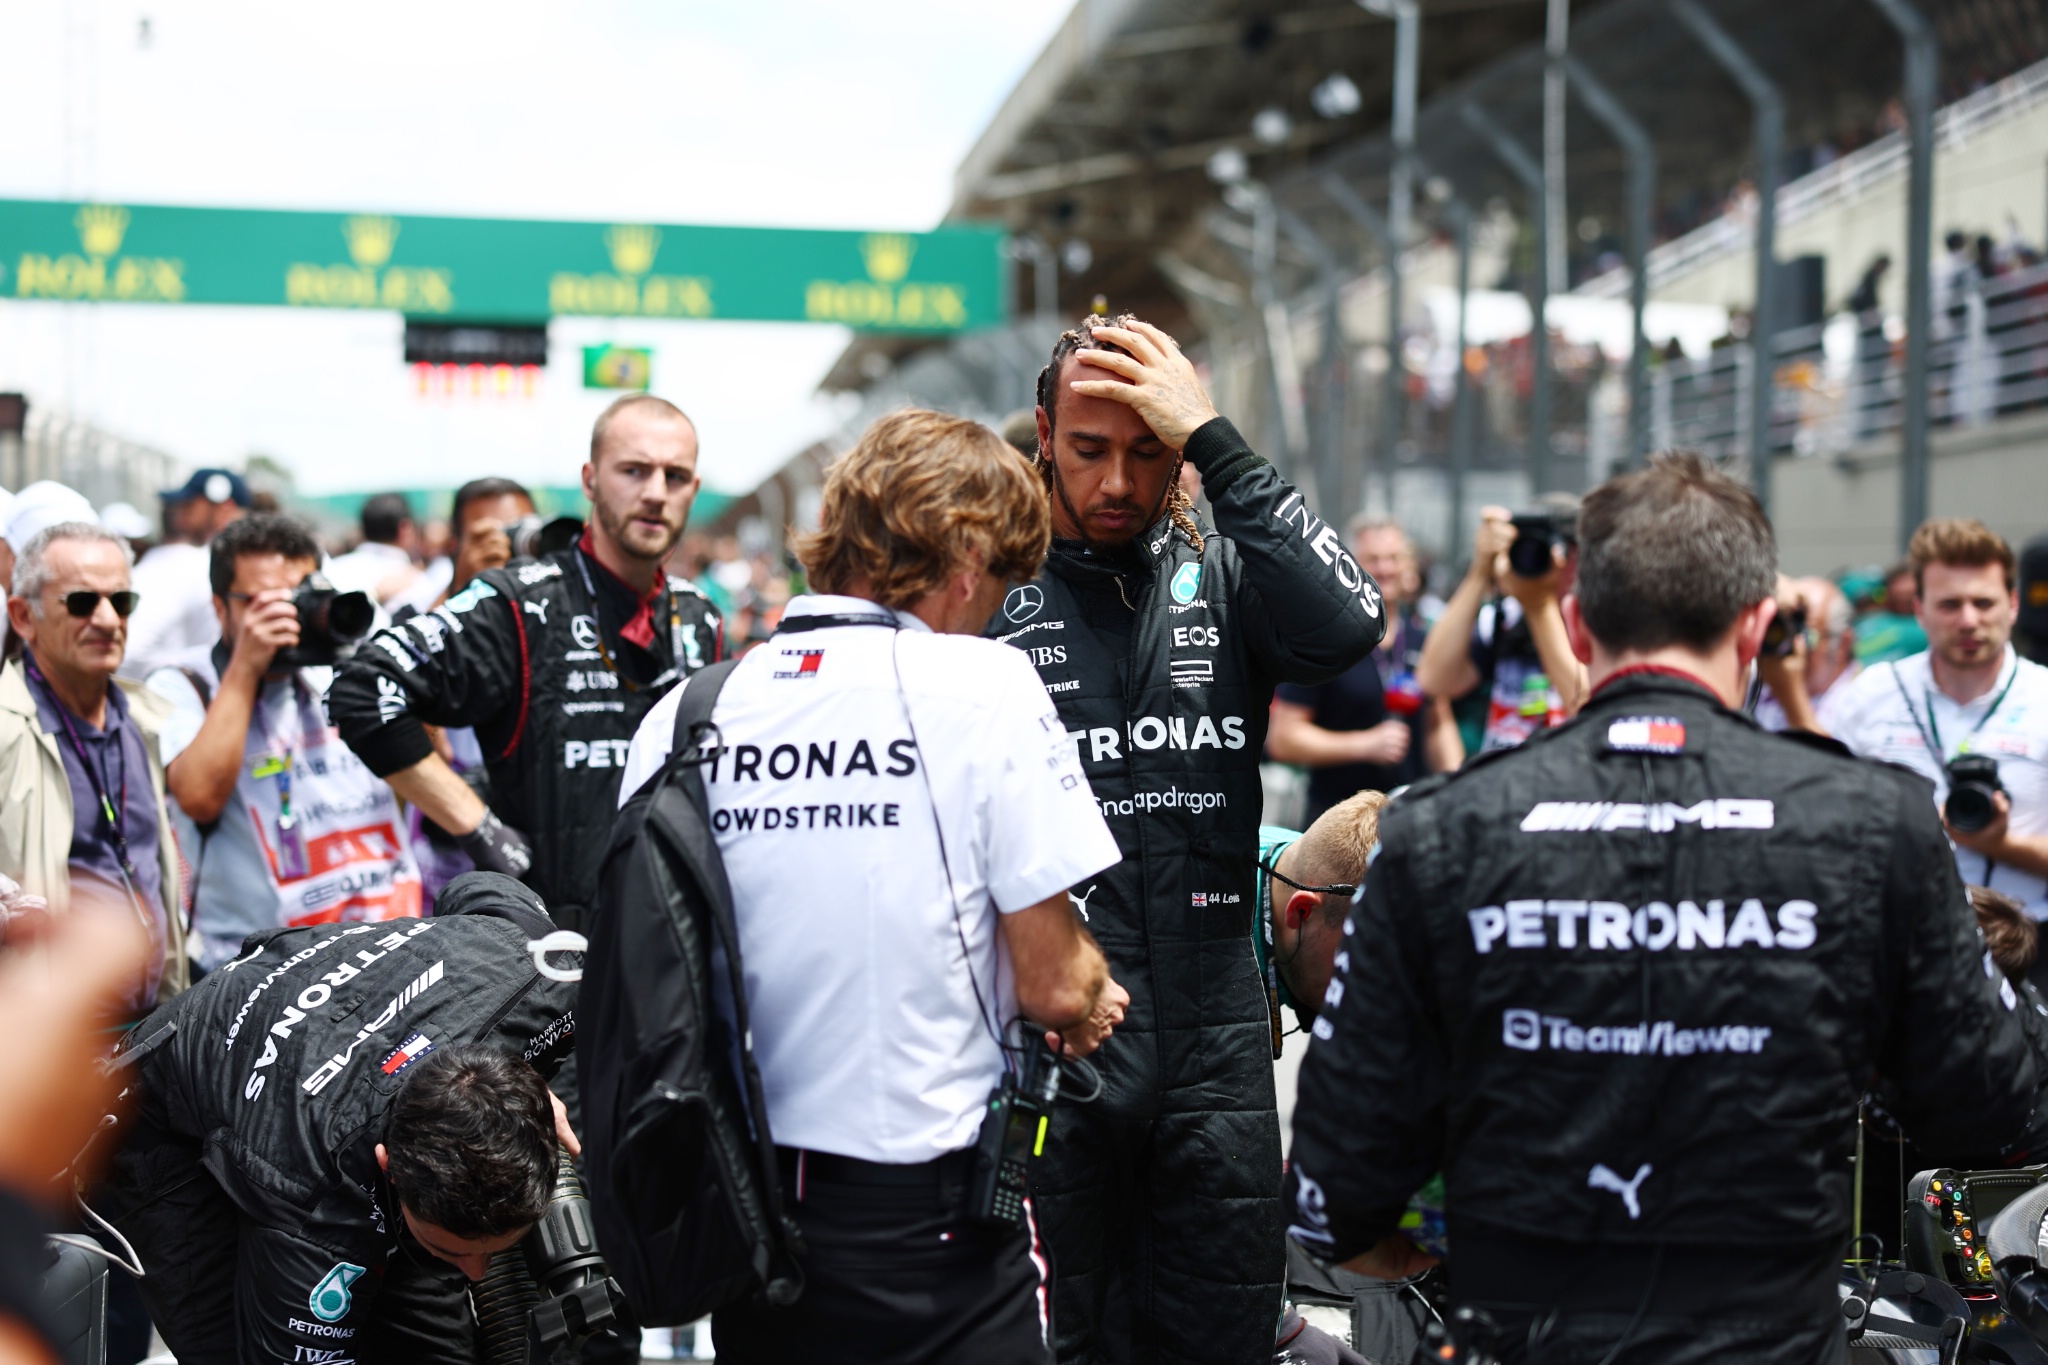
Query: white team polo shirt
pixel 827 806
pixel 1877 720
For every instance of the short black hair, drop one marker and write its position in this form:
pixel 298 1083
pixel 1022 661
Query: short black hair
pixel 383 516
pixel 259 533
pixel 1672 554
pixel 471 1141
pixel 478 489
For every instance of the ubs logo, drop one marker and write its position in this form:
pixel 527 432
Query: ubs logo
pixel 1024 603
pixel 584 630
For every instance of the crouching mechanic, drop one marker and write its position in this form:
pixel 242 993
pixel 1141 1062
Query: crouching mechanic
pixel 332 1134
pixel 1625 984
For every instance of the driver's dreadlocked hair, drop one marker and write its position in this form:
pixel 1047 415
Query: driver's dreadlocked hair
pixel 1082 338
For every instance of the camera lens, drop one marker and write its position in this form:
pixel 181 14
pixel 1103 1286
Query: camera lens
pixel 350 615
pixel 1529 556
pixel 1970 808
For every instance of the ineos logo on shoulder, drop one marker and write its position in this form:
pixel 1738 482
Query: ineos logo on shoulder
pixel 1024 603
pixel 584 629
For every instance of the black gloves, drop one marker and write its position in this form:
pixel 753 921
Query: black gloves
pixel 495 846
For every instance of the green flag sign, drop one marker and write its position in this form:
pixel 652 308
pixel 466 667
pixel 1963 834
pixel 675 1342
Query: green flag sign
pixel 617 367
pixel 500 270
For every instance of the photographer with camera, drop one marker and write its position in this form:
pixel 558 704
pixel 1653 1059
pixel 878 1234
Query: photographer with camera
pixel 553 661
pixel 1968 713
pixel 283 825
pixel 1626 984
pixel 330 1137
pixel 900 813
pixel 1502 628
pixel 1808 658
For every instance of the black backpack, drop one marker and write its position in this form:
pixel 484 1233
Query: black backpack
pixel 681 1167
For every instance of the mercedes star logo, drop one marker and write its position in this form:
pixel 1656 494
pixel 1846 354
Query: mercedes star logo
pixel 1024 603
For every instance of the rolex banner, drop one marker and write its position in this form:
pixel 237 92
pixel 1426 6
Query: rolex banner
pixel 480 269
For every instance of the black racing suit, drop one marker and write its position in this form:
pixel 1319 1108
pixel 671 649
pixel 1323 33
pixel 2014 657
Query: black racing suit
pixel 531 656
pixel 1624 985
pixel 1161 1199
pixel 247 1177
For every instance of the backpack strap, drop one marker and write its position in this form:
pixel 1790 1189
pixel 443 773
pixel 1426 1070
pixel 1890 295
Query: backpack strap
pixel 693 715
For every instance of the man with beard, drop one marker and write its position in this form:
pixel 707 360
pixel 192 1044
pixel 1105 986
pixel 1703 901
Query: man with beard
pixel 1160 645
pixel 553 662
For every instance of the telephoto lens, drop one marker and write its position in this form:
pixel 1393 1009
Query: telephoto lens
pixel 1537 534
pixel 1972 786
pixel 330 623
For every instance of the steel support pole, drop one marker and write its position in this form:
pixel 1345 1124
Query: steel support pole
pixel 1922 55
pixel 1400 223
pixel 1641 154
pixel 1327 434
pixel 1523 167
pixel 1767 107
pixel 1556 43
pixel 1367 217
pixel 1461 395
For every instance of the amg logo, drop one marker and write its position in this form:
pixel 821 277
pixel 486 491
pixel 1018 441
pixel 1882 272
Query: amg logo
pixel 1660 818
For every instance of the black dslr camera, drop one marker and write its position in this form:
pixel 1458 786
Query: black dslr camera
pixel 1536 535
pixel 533 538
pixel 553 1292
pixel 330 623
pixel 1972 783
pixel 1781 637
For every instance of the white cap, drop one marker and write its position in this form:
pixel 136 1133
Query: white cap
pixel 124 521
pixel 40 506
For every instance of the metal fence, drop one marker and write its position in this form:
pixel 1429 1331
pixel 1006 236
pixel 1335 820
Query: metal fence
pixel 1841 383
pixel 104 467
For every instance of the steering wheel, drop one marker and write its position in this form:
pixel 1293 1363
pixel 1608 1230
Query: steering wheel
pixel 2014 1242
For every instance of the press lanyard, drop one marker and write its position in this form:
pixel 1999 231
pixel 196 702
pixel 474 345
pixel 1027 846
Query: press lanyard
pixel 278 762
pixel 1930 733
pixel 117 820
pixel 675 630
pixel 791 625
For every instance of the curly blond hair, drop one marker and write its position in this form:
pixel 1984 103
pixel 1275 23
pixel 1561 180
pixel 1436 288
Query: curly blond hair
pixel 1082 338
pixel 921 496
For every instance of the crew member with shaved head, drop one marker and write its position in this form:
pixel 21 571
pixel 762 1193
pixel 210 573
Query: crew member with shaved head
pixel 1160 643
pixel 553 661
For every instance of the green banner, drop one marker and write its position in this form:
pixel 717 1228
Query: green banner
pixel 500 270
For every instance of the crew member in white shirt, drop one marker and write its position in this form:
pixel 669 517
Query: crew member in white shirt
pixel 1969 693
pixel 901 814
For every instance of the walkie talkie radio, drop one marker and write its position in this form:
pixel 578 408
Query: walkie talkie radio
pixel 1012 1137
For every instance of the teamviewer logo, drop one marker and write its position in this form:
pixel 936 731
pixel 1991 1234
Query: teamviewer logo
pixel 1521 1029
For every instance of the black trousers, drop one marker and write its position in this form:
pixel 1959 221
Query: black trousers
pixel 894 1272
pixel 225 1291
pixel 1560 1303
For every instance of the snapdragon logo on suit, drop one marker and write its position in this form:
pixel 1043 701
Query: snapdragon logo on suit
pixel 1187 581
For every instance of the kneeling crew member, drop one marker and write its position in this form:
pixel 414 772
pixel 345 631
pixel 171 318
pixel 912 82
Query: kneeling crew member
pixel 338 1129
pixel 1625 984
pixel 900 815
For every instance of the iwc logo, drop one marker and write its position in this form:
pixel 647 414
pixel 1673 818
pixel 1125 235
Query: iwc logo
pixel 1186 583
pixel 331 1297
pixel 1024 603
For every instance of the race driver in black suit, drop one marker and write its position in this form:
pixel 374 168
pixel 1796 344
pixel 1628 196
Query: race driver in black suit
pixel 1161 645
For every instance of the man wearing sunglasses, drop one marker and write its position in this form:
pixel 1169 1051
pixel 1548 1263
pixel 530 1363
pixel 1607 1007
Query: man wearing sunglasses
pixel 84 824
